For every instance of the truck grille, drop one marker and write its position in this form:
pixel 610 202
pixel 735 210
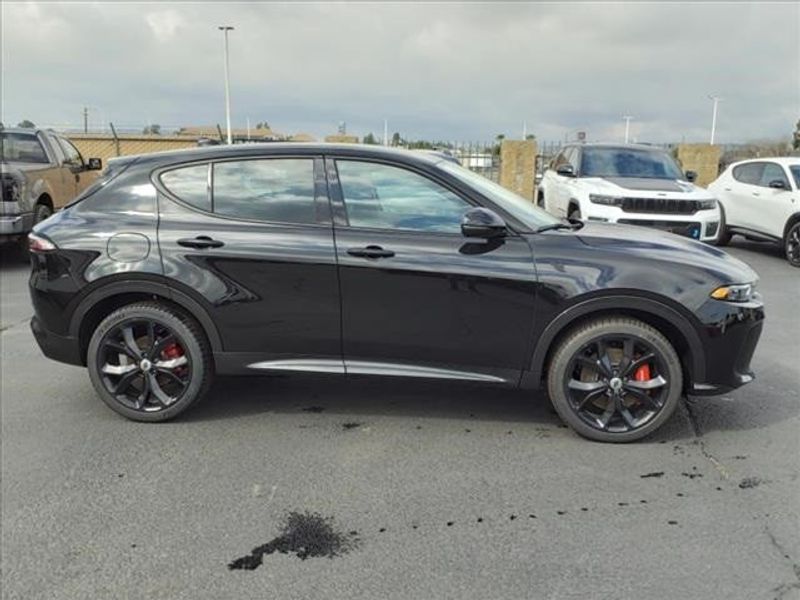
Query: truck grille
pixel 662 206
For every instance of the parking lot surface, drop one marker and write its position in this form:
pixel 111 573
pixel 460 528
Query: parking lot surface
pixel 440 490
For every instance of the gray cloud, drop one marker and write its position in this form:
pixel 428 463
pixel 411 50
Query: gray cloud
pixel 444 70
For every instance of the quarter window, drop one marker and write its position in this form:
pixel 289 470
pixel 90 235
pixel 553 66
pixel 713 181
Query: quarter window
pixel 190 184
pixel 276 189
pixel 386 197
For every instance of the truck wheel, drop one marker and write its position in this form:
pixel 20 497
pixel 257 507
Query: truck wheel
pixel 792 245
pixel 41 212
pixel 615 379
pixel 723 235
pixel 149 362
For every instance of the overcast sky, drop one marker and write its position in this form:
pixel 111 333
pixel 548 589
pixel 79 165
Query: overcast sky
pixel 435 70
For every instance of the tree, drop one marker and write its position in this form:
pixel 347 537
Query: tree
pixel 500 137
pixel 396 139
pixel 796 140
pixel 262 125
pixel 370 139
pixel 530 137
pixel 154 129
pixel 26 123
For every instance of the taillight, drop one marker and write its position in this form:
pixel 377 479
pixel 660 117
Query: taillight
pixel 38 244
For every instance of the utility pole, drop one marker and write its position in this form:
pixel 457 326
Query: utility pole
pixel 524 130
pixel 85 120
pixel 627 127
pixel 225 29
pixel 715 100
pixel 385 132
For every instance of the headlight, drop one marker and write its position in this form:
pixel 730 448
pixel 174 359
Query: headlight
pixel 735 293
pixel 709 204
pixel 607 200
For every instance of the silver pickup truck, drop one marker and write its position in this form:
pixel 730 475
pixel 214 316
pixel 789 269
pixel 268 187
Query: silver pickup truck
pixel 40 172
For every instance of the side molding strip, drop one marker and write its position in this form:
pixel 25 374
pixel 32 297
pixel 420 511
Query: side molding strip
pixel 307 365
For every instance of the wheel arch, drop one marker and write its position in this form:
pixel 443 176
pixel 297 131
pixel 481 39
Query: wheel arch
pixel 667 320
pixel 790 222
pixel 99 303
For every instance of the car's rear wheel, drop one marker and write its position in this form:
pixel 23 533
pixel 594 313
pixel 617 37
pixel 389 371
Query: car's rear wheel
pixel 615 379
pixel 149 362
pixel 792 245
pixel 574 213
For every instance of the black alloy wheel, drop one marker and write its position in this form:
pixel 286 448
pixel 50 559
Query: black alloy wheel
pixel 149 362
pixel 793 245
pixel 615 379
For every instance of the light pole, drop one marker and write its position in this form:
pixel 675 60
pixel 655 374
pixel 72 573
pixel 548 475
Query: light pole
pixel 225 29
pixel 627 127
pixel 716 100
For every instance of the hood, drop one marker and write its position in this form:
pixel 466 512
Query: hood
pixel 650 185
pixel 654 245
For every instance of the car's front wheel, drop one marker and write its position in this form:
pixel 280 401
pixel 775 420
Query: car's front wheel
pixel 149 362
pixel 615 379
pixel 792 245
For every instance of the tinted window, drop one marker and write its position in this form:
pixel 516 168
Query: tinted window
pixel 73 156
pixel 278 189
pixel 20 147
pixel 795 170
pixel 773 172
pixel 628 162
pixel 190 184
pixel 749 173
pixel 386 197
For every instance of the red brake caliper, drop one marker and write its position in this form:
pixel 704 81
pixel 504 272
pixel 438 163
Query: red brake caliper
pixel 642 373
pixel 173 351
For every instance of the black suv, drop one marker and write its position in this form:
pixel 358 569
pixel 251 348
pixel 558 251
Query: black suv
pixel 363 260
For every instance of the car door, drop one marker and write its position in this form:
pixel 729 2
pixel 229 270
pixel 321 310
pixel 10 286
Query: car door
pixel 251 240
pixel 418 298
pixel 61 180
pixel 773 204
pixel 741 201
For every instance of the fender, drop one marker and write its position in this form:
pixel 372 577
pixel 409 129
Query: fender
pixel 147 286
pixel 532 377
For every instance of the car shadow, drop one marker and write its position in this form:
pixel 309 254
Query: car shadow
pixel 763 248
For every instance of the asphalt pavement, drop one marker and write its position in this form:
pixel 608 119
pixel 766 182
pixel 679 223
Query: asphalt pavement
pixel 429 489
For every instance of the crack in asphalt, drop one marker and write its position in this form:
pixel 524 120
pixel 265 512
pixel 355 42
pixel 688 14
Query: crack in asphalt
pixel 698 434
pixel 784 588
pixel 4 328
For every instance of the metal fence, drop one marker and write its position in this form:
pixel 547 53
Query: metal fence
pixel 480 157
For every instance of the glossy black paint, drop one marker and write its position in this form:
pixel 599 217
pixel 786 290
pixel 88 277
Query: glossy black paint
pixel 272 291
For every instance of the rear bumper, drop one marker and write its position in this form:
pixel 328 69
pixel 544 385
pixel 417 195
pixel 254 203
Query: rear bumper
pixel 57 347
pixel 14 226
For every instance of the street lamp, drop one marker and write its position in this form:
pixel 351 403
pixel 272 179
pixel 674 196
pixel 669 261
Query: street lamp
pixel 627 127
pixel 716 100
pixel 225 29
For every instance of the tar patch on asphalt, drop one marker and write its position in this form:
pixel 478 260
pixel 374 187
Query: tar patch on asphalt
pixel 653 474
pixel 352 425
pixel 304 534
pixel 314 409
pixel 749 482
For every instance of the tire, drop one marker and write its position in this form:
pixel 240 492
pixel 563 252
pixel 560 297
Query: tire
pixel 41 212
pixel 593 388
pixel 166 385
pixel 574 213
pixel 540 200
pixel 723 235
pixel 791 245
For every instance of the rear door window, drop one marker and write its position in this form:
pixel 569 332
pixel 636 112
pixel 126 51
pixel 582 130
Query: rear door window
pixel 273 189
pixel 749 173
pixel 773 172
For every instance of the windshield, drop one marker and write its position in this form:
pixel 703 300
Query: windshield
pixel 22 147
pixel 521 209
pixel 628 162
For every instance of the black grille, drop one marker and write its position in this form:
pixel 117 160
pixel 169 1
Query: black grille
pixel 664 206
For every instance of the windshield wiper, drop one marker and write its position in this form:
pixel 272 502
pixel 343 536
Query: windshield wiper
pixel 573 226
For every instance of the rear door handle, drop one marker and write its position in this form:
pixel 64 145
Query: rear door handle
pixel 370 252
pixel 201 241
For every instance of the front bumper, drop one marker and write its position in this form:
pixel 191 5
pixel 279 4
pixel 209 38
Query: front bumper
pixel 702 225
pixel 57 347
pixel 731 335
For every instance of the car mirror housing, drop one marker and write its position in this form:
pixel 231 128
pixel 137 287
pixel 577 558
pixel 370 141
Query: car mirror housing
pixel 777 184
pixel 566 170
pixel 691 176
pixel 94 164
pixel 483 223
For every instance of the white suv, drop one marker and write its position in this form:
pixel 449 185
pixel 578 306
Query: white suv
pixel 632 184
pixel 760 199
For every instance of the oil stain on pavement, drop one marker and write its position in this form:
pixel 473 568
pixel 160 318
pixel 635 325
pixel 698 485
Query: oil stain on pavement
pixel 305 534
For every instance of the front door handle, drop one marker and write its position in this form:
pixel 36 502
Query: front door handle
pixel 370 252
pixel 201 241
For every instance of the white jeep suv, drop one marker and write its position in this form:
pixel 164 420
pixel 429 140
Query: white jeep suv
pixel 631 184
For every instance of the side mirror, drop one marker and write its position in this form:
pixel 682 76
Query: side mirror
pixel 94 164
pixel 777 184
pixel 483 223
pixel 691 176
pixel 566 170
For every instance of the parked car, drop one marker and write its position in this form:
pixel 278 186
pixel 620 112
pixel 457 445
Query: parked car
pixel 760 199
pixel 631 184
pixel 40 172
pixel 363 260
